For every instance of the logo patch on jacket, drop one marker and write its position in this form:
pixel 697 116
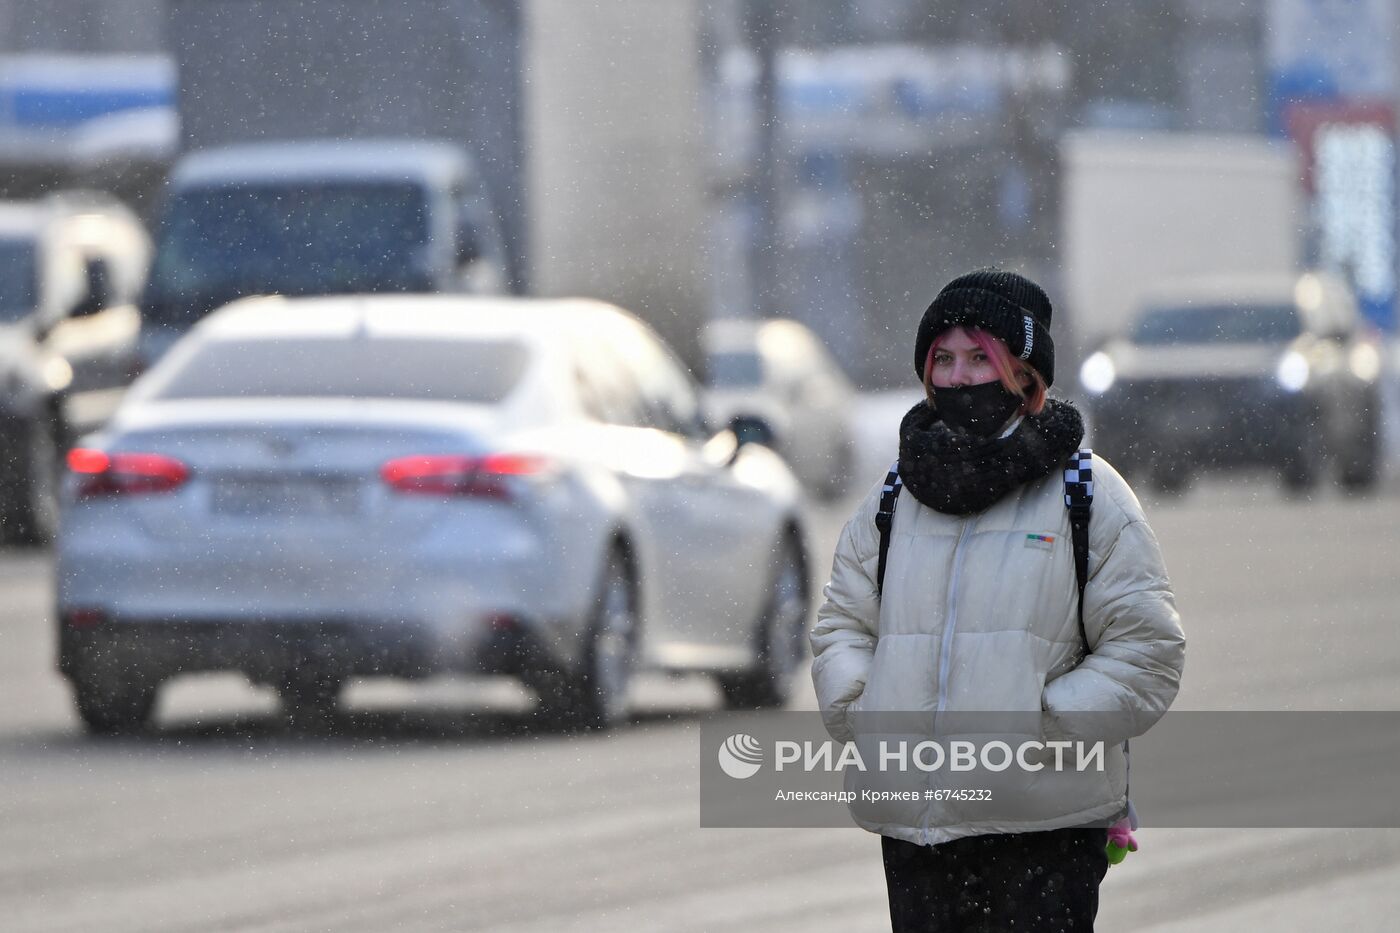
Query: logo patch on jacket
pixel 1041 541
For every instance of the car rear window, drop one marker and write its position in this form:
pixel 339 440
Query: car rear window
pixel 1217 324
pixel 453 370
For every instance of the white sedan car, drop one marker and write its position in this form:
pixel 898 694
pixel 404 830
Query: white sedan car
pixel 307 490
pixel 779 372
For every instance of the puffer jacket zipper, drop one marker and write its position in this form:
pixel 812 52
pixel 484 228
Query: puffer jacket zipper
pixel 950 621
pixel 945 651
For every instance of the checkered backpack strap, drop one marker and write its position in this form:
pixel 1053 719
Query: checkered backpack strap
pixel 1079 499
pixel 884 520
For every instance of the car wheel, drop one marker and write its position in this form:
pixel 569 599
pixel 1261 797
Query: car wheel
pixel 32 513
pixel 595 695
pixel 781 637
pixel 1361 465
pixel 309 698
pixel 111 708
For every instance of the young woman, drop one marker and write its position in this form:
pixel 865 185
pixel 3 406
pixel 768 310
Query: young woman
pixel 979 612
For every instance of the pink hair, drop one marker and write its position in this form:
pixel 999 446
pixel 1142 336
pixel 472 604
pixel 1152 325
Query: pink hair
pixel 1009 369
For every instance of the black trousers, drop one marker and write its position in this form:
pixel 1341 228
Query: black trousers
pixel 1045 882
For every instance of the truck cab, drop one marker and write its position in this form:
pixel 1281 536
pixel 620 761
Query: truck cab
pixel 320 217
pixel 71 267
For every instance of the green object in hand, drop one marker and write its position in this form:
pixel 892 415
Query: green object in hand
pixel 1121 841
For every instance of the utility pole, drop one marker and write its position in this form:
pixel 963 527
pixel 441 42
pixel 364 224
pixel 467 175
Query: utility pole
pixel 761 30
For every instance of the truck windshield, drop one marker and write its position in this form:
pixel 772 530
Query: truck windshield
pixel 17 280
pixel 1217 324
pixel 300 238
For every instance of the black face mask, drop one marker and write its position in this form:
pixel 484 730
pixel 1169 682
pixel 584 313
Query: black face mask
pixel 978 409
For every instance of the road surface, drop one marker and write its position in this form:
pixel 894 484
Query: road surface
pixel 440 807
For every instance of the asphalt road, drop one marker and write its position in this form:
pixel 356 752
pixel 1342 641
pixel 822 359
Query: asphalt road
pixel 439 807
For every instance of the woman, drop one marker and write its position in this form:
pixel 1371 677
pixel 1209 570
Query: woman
pixel 979 612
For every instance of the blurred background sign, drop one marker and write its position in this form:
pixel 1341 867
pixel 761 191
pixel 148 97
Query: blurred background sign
pixel 1333 84
pixel 65 114
pixel 1330 49
pixel 1348 154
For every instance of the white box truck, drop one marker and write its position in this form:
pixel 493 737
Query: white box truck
pixel 1142 209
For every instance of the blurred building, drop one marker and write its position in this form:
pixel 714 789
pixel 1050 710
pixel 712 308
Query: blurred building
pixel 937 126
pixel 616 158
pixel 312 69
pixel 110 26
pixel 599 185
pixel 912 138
pixel 86 97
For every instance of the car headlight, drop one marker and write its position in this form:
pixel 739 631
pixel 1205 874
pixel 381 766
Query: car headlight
pixel 1292 373
pixel 1097 373
pixel 58 374
pixel 1365 362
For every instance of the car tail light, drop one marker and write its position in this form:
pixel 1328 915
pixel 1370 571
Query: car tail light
pixel 83 618
pixel 455 475
pixel 503 622
pixel 105 474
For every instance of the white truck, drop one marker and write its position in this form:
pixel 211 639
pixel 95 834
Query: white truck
pixel 70 268
pixel 1142 209
pixel 318 217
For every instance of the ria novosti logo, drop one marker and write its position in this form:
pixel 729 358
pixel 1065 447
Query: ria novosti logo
pixel 740 756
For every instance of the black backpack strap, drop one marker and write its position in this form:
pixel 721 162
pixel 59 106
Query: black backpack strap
pixel 884 520
pixel 1079 499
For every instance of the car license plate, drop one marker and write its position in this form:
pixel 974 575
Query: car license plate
pixel 285 497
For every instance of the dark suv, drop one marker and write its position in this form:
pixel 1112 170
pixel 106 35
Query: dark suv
pixel 1241 371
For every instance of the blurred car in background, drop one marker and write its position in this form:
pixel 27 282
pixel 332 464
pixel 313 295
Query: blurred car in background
pixel 307 490
pixel 319 217
pixel 1246 370
pixel 779 373
pixel 71 266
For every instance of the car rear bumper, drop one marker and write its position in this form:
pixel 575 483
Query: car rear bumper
pixel 92 644
pixel 148 608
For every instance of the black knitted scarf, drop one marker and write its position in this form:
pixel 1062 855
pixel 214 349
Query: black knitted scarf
pixel 958 473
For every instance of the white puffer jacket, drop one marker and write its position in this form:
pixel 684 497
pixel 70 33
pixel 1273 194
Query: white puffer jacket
pixel 980 614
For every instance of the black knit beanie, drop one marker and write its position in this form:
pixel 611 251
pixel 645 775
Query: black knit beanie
pixel 1002 303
